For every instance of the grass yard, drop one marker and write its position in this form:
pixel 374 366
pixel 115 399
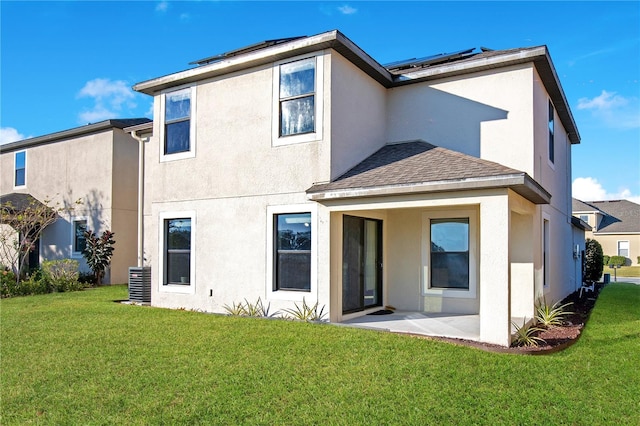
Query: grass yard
pixel 623 271
pixel 79 358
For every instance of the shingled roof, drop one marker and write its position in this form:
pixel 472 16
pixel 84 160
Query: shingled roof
pixel 419 167
pixel 619 216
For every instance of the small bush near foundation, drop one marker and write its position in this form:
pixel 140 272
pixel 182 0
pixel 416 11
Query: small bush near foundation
pixel 305 312
pixel 32 284
pixel 605 259
pixel 526 335
pixel 248 309
pixel 62 275
pixel 553 315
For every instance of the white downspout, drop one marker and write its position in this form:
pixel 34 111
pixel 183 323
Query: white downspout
pixel 141 142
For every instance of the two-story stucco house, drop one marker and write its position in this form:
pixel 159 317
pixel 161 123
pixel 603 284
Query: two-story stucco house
pixel 303 169
pixel 96 164
pixel 615 225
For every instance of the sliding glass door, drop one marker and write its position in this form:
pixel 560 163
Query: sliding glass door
pixel 361 264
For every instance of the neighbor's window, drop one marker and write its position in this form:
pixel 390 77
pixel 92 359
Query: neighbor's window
pixel 623 248
pixel 177 121
pixel 79 239
pixel 551 130
pixel 177 262
pixel 20 169
pixel 450 253
pixel 292 251
pixel 297 97
pixel 584 218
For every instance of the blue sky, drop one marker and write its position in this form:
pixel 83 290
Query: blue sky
pixel 64 64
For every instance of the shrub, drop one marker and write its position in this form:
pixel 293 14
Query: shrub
pixel 8 283
pixel 605 259
pixel 617 261
pixel 61 275
pixel 248 309
pixel 552 315
pixel 98 252
pixel 593 265
pixel 526 335
pixel 306 312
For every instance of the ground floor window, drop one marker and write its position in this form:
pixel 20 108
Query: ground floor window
pixel 450 253
pixel 623 248
pixel 79 239
pixel 177 255
pixel 292 251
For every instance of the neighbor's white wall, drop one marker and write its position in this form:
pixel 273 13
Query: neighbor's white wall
pixel 98 169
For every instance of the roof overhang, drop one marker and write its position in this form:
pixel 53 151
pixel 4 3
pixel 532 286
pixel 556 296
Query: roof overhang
pixel 579 223
pixel 520 183
pixel 67 134
pixel 328 40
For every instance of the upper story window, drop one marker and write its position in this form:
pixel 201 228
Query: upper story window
pixel 297 91
pixel 178 129
pixel 297 97
pixel 551 131
pixel 20 169
pixel 584 218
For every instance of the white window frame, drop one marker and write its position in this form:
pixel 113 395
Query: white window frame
pixel 292 295
pixel 15 168
pixel 162 239
pixel 278 140
pixel 551 134
pixel 545 245
pixel 618 247
pixel 474 257
pixel 192 125
pixel 74 220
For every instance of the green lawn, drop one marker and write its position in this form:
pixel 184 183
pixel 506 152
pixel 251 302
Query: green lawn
pixel 624 271
pixel 79 358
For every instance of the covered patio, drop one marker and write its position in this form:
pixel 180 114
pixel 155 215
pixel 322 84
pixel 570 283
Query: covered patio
pixel 451 249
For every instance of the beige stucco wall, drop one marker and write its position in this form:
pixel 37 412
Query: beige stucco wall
pixel 100 171
pixel 609 245
pixel 235 177
pixel 487 115
pixel 358 115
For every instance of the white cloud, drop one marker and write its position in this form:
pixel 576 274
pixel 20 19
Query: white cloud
pixel 9 134
pixel 589 189
pixel 606 101
pixel 347 10
pixel 613 110
pixel 184 17
pixel 162 6
pixel 109 99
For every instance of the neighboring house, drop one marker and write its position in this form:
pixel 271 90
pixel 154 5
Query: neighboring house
pixel 302 169
pixel 96 164
pixel 615 225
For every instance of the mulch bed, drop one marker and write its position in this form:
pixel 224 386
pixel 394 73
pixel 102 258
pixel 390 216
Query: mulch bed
pixel 556 338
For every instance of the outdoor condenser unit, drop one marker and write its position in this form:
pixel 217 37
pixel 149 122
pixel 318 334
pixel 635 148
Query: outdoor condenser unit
pixel 140 284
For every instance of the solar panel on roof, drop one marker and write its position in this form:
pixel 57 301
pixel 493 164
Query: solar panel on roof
pixel 246 49
pixel 428 60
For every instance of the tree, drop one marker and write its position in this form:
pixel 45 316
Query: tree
pixel 22 221
pixel 98 252
pixel 593 264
